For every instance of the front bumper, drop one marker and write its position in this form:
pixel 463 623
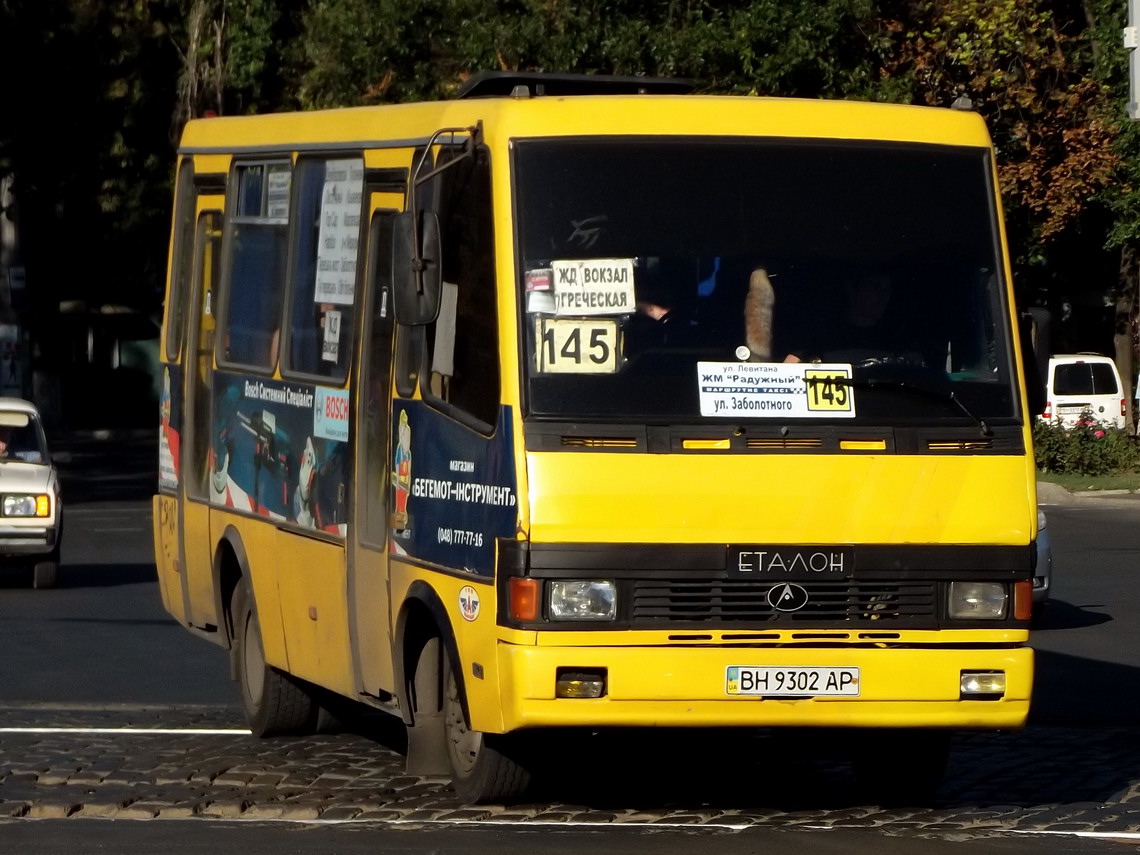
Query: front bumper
pixel 28 540
pixel 685 687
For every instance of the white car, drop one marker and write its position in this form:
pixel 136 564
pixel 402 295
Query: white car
pixel 31 518
pixel 1082 386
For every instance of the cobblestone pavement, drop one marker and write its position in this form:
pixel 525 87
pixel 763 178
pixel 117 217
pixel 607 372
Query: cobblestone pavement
pixel 1042 779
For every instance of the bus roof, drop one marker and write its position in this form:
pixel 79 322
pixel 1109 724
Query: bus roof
pixel 504 118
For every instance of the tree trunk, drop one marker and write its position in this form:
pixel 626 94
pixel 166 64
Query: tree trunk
pixel 1123 338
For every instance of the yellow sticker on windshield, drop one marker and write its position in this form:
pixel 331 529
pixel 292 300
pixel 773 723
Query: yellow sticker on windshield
pixel 829 391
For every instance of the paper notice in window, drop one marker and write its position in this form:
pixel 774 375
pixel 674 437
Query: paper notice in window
pixel 277 192
pixel 339 231
pixel 330 348
pixel 775 389
pixel 595 286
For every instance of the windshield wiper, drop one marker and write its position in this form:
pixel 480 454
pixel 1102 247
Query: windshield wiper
pixel 925 391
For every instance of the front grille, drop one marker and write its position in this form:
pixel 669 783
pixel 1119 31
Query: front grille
pixel 960 444
pixel 600 441
pixel 667 602
pixel 768 442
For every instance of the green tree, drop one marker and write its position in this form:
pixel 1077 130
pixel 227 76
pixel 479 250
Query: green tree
pixel 83 82
pixel 1122 198
pixel 1038 72
pixel 396 50
pixel 237 56
pixel 1025 66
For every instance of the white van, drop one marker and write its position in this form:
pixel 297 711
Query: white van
pixel 1081 383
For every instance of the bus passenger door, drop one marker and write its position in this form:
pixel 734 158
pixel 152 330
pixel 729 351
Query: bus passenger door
pixel 368 590
pixel 197 559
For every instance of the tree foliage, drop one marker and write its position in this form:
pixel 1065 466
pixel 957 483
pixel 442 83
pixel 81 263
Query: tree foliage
pixel 1110 65
pixel 1025 67
pixel 90 161
pixel 360 52
pixel 237 56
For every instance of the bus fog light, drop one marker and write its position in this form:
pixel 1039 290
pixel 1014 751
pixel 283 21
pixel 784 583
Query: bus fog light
pixel 978 685
pixel 581 599
pixel 977 600
pixel 580 683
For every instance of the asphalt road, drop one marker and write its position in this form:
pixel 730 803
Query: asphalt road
pixel 1088 637
pixel 91 669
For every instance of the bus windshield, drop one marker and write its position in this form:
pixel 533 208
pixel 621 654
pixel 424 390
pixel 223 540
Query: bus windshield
pixel 646 262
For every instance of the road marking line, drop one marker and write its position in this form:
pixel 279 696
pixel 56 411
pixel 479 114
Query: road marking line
pixel 643 824
pixel 632 825
pixel 639 825
pixel 1112 835
pixel 109 513
pixel 65 706
pixel 546 823
pixel 160 731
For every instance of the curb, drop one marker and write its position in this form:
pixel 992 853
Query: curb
pixel 1049 493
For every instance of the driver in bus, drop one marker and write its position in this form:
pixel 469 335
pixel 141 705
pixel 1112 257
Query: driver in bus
pixel 862 331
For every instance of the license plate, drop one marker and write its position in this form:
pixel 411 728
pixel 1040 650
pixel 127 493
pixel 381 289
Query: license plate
pixel 791 563
pixel 792 682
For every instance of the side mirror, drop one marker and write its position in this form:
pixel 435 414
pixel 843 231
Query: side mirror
pixel 416 269
pixel 1034 335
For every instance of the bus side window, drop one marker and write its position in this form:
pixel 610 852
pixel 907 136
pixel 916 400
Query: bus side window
pixel 327 213
pixel 463 342
pixel 256 266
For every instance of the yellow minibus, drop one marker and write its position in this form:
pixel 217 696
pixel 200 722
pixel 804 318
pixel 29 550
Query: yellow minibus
pixel 589 402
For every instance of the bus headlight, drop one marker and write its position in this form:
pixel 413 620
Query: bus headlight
pixel 581 599
pixel 978 600
pixel 27 506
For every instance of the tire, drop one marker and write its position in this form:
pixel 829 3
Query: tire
pixel 901 767
pixel 274 703
pixel 484 767
pixel 44 574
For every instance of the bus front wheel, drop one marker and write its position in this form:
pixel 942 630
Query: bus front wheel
pixel 273 703
pixel 484 767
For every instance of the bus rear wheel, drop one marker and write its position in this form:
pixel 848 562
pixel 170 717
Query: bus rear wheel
pixel 484 767
pixel 273 702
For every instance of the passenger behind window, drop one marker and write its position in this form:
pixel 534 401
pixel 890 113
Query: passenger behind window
pixel 664 296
